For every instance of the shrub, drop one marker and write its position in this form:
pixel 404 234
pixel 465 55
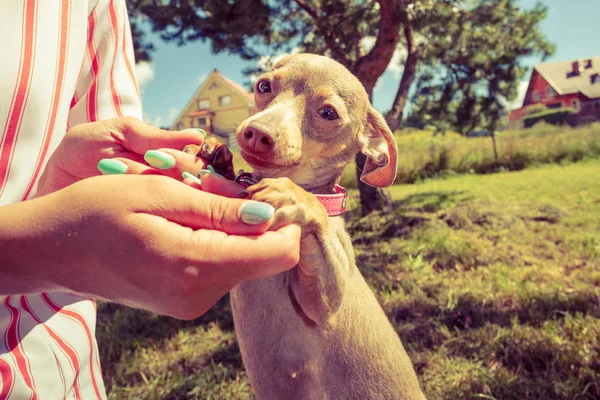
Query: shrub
pixel 557 116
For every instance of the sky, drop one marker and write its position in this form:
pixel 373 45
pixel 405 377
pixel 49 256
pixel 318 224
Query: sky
pixel 170 80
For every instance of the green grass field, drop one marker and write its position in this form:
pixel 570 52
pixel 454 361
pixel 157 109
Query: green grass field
pixel 492 282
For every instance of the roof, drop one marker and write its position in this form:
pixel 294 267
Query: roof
pixel 200 112
pixel 235 86
pixel 560 76
pixel 248 97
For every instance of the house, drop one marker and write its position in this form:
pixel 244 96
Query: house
pixel 218 106
pixel 572 84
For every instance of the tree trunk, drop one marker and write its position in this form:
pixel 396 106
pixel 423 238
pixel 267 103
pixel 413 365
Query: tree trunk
pixel 394 117
pixel 371 198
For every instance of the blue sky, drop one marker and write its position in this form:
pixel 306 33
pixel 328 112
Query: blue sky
pixel 168 82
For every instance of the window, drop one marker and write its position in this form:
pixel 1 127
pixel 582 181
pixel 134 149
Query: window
pixel 595 78
pixel 213 86
pixel 597 104
pixel 179 126
pixel 554 105
pixel 550 92
pixel 202 122
pixel 576 104
pixel 225 101
pixel 203 104
pixel 536 97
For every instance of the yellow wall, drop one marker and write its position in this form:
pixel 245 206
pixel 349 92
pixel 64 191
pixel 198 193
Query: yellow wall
pixel 226 118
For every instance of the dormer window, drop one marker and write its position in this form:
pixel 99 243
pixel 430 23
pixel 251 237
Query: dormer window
pixel 588 64
pixel 595 78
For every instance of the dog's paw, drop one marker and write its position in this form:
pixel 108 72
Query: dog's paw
pixel 216 154
pixel 292 204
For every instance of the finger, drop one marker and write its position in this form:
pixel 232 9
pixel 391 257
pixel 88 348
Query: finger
pixel 227 258
pixel 191 180
pixel 200 210
pixel 212 183
pixel 174 163
pixel 140 137
pixel 121 165
pixel 251 257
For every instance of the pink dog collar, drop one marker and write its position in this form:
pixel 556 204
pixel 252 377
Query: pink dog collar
pixel 335 204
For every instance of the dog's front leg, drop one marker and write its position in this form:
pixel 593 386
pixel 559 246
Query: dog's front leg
pixel 318 282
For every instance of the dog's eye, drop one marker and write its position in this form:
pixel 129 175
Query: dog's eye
pixel 264 87
pixel 328 113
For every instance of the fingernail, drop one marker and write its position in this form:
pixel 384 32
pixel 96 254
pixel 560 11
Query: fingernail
pixel 203 172
pixel 111 167
pixel 159 160
pixel 254 212
pixel 243 194
pixel 187 175
pixel 200 131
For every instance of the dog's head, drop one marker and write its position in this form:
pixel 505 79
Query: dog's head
pixel 311 117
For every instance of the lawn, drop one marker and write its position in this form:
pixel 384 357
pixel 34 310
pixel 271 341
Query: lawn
pixel 492 282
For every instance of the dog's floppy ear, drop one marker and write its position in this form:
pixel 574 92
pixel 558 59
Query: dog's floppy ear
pixel 379 145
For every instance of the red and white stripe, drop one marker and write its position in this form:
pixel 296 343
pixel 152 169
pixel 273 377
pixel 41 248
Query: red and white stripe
pixel 65 62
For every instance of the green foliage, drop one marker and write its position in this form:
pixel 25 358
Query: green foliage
pixel 471 66
pixel 492 282
pixel 555 116
pixel 468 53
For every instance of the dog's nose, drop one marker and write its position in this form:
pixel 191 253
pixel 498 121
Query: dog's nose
pixel 257 140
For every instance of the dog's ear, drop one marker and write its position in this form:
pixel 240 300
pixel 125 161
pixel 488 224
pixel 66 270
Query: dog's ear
pixel 379 145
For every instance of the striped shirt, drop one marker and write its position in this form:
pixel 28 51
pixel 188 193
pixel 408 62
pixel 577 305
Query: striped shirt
pixel 64 63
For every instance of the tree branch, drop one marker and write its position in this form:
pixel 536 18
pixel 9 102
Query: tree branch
pixel 370 67
pixel 315 14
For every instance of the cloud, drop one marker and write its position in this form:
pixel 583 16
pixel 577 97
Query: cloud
pixel 161 121
pixel 144 71
pixel 521 92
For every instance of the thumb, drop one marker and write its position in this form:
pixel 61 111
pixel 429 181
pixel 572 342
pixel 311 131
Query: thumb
pixel 201 210
pixel 140 137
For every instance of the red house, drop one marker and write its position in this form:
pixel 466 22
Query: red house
pixel 574 84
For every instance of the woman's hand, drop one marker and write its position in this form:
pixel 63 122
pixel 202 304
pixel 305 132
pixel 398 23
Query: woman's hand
pixel 125 138
pixel 145 241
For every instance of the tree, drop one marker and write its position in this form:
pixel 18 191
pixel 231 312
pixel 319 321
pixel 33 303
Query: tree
pixel 455 48
pixel 472 65
pixel 253 28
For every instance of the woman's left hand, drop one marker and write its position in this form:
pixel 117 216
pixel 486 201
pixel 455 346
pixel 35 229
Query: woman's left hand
pixel 124 138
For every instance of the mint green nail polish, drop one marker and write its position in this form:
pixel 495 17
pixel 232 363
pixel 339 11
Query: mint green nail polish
pixel 254 212
pixel 210 171
pixel 200 131
pixel 111 167
pixel 187 175
pixel 159 160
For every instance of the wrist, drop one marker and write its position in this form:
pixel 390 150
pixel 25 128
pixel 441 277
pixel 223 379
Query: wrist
pixel 24 234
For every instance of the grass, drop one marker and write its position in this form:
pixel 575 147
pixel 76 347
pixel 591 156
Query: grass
pixel 423 155
pixel 492 282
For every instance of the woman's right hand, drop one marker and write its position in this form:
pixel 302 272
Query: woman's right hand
pixel 145 241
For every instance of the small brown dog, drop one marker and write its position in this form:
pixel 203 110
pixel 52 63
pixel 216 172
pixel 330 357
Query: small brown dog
pixel 317 331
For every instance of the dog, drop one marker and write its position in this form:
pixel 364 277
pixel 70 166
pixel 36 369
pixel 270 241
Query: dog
pixel 316 331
